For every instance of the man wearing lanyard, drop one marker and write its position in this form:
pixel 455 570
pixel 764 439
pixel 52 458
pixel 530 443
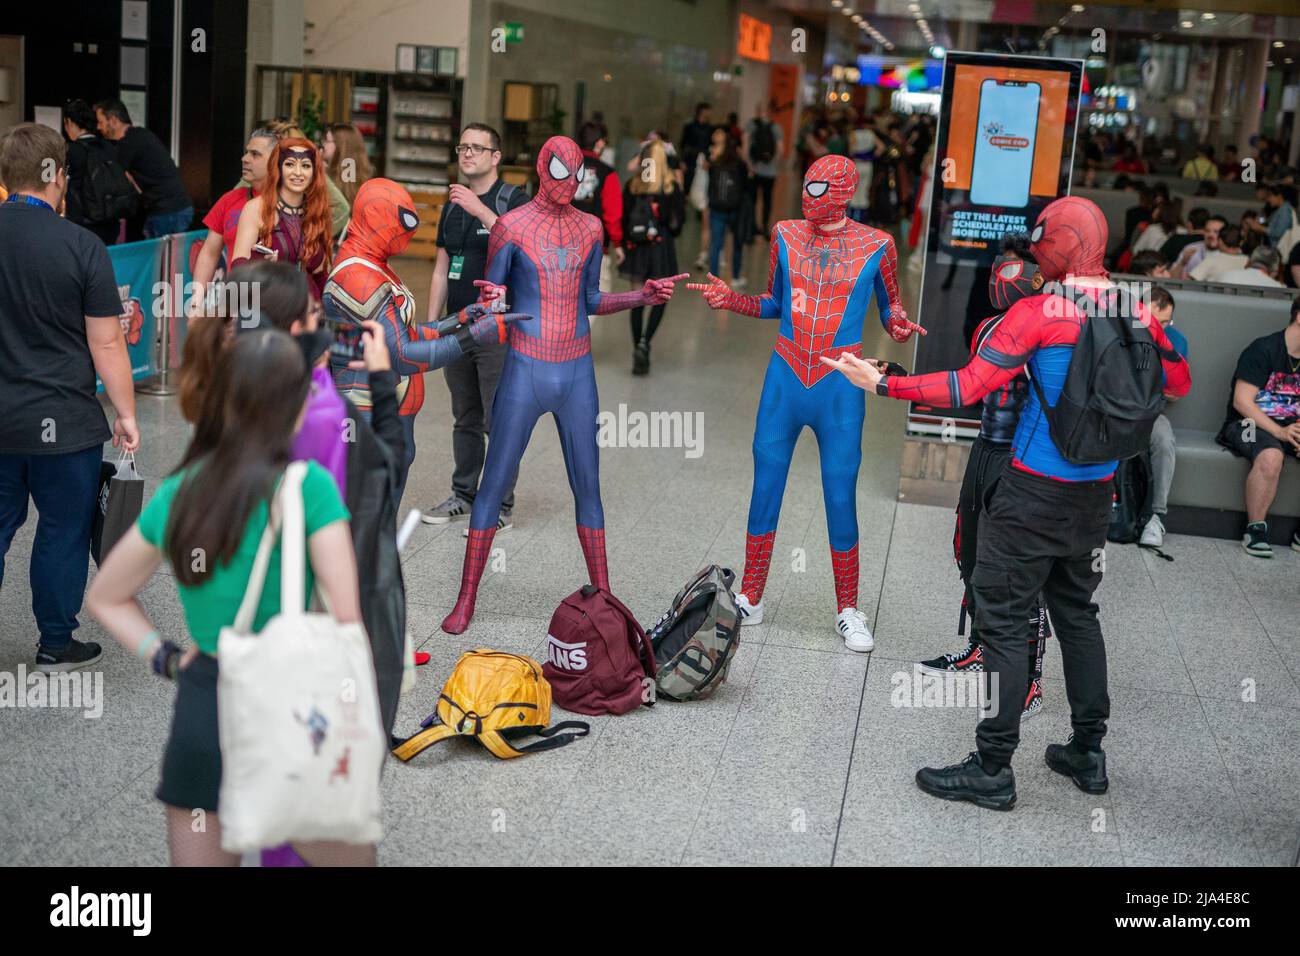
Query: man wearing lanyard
pixel 60 327
pixel 471 211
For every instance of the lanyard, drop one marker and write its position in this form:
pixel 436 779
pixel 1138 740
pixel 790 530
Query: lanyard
pixel 29 200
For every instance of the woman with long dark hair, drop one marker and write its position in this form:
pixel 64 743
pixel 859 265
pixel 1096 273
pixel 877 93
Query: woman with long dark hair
pixel 289 220
pixel 344 151
pixel 206 521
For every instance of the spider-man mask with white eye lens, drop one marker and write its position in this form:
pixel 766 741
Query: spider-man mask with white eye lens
pixel 1069 238
pixel 1012 279
pixel 827 187
pixel 559 167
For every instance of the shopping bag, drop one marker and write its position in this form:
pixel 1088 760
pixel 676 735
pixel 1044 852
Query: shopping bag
pixel 117 505
pixel 700 186
pixel 302 740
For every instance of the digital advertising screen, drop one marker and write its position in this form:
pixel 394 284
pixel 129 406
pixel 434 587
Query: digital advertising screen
pixel 1004 150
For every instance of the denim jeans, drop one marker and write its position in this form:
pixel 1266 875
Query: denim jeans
pixel 720 223
pixel 165 223
pixel 64 488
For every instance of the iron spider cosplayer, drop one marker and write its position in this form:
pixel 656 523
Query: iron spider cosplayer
pixel 362 286
pixel 822 272
pixel 548 253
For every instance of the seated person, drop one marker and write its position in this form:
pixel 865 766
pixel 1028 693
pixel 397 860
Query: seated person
pixel 1226 258
pixel 1263 423
pixel 1198 249
pixel 1163 448
pixel 1149 263
pixel 1261 270
pixel 1175 244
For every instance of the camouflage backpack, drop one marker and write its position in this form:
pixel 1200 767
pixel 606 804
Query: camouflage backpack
pixel 694 642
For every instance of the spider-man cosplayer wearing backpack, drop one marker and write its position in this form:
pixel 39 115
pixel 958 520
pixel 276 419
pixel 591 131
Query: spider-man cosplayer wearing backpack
pixel 823 270
pixel 548 254
pixel 363 287
pixel 1012 278
pixel 1044 522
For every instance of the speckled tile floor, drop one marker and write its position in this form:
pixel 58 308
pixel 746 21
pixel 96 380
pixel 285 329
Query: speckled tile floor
pixel 800 758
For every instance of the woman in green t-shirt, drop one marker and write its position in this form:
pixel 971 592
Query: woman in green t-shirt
pixel 206 520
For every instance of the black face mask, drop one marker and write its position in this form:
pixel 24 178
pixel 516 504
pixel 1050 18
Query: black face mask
pixel 314 345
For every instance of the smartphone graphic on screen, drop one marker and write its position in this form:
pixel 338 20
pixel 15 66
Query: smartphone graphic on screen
pixel 1005 135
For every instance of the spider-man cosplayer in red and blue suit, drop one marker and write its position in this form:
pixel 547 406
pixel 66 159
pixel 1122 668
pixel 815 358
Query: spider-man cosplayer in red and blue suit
pixel 823 272
pixel 548 254
pixel 1045 519
pixel 362 286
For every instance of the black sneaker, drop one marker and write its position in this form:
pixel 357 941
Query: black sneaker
pixel 1255 540
pixel 1295 541
pixel 640 360
pixel 968 781
pixel 970 659
pixel 75 656
pixel 1087 768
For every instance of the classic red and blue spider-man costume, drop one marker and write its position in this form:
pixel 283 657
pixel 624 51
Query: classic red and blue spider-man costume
pixel 548 254
pixel 823 270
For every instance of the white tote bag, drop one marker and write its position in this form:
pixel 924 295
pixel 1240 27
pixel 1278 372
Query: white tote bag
pixel 298 710
pixel 700 186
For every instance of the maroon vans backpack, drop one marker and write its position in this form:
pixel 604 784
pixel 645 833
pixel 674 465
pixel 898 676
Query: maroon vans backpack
pixel 598 660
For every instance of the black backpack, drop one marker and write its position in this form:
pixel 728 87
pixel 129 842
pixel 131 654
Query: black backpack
pixel 642 226
pixel 1113 389
pixel 106 193
pixel 762 145
pixel 1132 508
pixel 725 189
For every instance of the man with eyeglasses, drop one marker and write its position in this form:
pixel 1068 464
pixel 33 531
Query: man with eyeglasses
pixel 472 208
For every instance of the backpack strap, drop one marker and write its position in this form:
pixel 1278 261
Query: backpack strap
pixel 504 194
pixel 643 646
pixel 499 742
pixel 422 740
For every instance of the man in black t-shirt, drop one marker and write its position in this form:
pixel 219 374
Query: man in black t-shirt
pixel 60 326
pixel 1263 423
pixel 467 218
pixel 167 206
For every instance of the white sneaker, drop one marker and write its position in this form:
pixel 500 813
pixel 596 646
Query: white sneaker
pixel 749 613
pixel 852 626
pixel 1153 535
pixel 738 282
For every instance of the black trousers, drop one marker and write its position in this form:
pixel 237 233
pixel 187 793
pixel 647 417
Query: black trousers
pixel 472 382
pixel 763 190
pixel 988 460
pixel 1037 534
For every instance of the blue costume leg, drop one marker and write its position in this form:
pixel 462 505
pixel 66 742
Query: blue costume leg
pixel 840 410
pixel 575 420
pixel 515 411
pixel 776 431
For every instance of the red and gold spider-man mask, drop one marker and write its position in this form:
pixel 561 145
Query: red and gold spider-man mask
pixel 383 220
pixel 1069 238
pixel 559 167
pixel 1012 279
pixel 827 187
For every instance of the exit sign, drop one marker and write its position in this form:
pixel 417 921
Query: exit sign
pixel 514 33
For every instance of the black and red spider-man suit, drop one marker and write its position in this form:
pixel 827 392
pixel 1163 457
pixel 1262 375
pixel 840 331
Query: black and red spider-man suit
pixel 1037 335
pixel 362 286
pixel 548 254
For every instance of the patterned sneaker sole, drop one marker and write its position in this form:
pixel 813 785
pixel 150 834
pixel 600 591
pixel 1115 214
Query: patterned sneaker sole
pixel 1033 710
pixel 443 519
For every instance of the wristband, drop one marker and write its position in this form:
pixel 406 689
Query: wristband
pixel 166 660
pixel 882 387
pixel 143 648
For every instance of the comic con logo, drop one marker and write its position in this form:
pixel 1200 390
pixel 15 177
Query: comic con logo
pixel 132 315
pixel 996 135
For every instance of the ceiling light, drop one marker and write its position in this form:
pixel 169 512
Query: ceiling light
pixel 1076 8
pixel 1278 44
pixel 1186 24
pixel 837 3
pixel 1207 16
